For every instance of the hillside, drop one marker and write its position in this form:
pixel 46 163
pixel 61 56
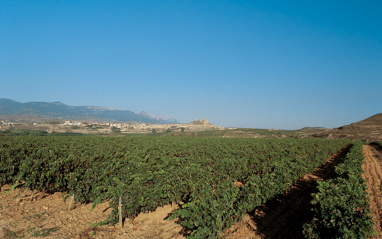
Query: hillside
pixel 369 129
pixel 10 109
pixel 373 120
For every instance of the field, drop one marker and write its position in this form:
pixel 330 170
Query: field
pixel 175 187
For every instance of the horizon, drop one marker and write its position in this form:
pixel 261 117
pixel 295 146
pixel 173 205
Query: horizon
pixel 238 64
pixel 178 122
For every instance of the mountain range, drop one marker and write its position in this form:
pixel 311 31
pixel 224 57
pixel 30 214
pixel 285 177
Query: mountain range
pixel 57 110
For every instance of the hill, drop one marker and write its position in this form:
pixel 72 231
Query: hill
pixel 369 129
pixel 10 109
pixel 373 120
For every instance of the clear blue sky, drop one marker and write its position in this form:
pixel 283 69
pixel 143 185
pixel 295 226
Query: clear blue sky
pixel 259 64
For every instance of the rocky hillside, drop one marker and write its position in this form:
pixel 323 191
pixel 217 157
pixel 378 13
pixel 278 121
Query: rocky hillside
pixel 43 110
pixel 369 129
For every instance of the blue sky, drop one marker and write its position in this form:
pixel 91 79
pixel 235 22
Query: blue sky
pixel 259 64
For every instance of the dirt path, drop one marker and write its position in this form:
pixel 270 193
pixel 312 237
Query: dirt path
pixel 284 216
pixel 373 175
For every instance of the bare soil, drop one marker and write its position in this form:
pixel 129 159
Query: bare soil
pixel 373 175
pixel 49 218
pixel 281 217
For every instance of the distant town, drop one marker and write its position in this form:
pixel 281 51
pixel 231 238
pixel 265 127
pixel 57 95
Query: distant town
pixel 73 126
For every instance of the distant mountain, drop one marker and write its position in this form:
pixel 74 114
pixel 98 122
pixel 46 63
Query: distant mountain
pixel 159 118
pixel 59 110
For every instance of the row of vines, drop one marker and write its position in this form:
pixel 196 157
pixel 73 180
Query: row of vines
pixel 217 180
pixel 341 205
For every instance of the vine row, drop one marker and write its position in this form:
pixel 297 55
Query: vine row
pixel 341 206
pixel 214 180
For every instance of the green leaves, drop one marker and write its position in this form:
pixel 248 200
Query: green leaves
pixel 341 205
pixel 218 180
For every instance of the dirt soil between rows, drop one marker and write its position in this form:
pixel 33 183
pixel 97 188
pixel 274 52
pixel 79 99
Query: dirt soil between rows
pixel 47 216
pixel 373 175
pixel 50 217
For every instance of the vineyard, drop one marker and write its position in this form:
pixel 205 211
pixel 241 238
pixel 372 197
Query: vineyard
pixel 213 181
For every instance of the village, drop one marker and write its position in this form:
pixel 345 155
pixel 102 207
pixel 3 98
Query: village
pixel 72 126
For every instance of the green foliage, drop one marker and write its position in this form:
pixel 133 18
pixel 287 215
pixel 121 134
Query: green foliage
pixel 24 132
pixel 341 206
pixel 65 134
pixel 116 130
pixel 44 232
pixel 147 172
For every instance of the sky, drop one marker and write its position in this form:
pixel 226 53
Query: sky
pixel 256 64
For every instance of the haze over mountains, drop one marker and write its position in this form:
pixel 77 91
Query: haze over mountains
pixel 367 129
pixel 58 110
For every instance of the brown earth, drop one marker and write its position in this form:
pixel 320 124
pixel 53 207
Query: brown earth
pixel 369 129
pixel 373 175
pixel 281 217
pixel 22 218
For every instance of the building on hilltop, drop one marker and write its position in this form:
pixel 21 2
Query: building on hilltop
pixel 200 122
